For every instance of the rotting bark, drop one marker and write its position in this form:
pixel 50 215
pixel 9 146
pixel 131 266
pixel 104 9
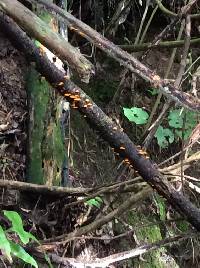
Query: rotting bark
pixel 102 123
pixel 38 29
pixel 46 148
pixel 124 58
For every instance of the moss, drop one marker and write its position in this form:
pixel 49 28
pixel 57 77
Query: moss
pixel 148 234
pixel 38 96
pixel 46 147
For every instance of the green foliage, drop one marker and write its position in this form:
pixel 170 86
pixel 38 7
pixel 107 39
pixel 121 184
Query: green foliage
pixel 95 202
pixel 164 136
pixel 175 119
pixel 136 115
pixel 9 248
pixel 17 227
pixel 182 226
pixel 181 124
pixel 161 207
pixel 20 253
pixel 5 245
pixel 153 91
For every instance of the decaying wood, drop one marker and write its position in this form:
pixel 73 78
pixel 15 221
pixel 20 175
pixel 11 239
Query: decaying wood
pixel 125 59
pixel 43 189
pixel 38 29
pixel 114 258
pixel 98 119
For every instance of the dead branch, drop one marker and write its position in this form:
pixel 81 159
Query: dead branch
pixel 63 191
pixel 98 119
pixel 125 59
pixel 184 9
pixel 38 29
pixel 164 44
pixel 123 208
pixel 102 123
pixel 43 189
pixel 106 261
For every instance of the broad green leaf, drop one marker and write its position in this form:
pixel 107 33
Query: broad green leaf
pixel 20 253
pixel 93 202
pixel 175 118
pixel 185 135
pixel 17 226
pixel 136 115
pixel 99 199
pixel 191 120
pixel 5 245
pixel 164 136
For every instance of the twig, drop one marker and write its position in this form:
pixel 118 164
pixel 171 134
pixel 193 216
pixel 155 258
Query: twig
pixel 177 154
pixel 173 23
pixel 142 23
pixel 192 158
pixel 106 261
pixel 164 44
pixel 184 10
pixel 43 189
pixel 41 31
pixel 124 58
pixel 185 52
pixel 102 123
pixel 132 200
pixel 121 10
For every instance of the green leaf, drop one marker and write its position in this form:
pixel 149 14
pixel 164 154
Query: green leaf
pixel 153 91
pixel 136 115
pixel 17 226
pixel 183 226
pixel 99 199
pixel 93 202
pixel 5 245
pixel 175 118
pixel 20 253
pixel 37 43
pixel 185 135
pixel 164 136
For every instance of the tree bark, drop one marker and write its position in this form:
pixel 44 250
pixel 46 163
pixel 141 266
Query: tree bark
pixel 38 29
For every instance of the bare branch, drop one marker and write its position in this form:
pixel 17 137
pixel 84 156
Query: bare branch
pixel 38 29
pixel 106 261
pixel 102 123
pixel 127 60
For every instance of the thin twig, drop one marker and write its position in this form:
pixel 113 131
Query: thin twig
pixel 106 261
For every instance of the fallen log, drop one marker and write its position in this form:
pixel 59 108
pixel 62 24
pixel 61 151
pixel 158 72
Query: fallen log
pixel 41 31
pixel 101 122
